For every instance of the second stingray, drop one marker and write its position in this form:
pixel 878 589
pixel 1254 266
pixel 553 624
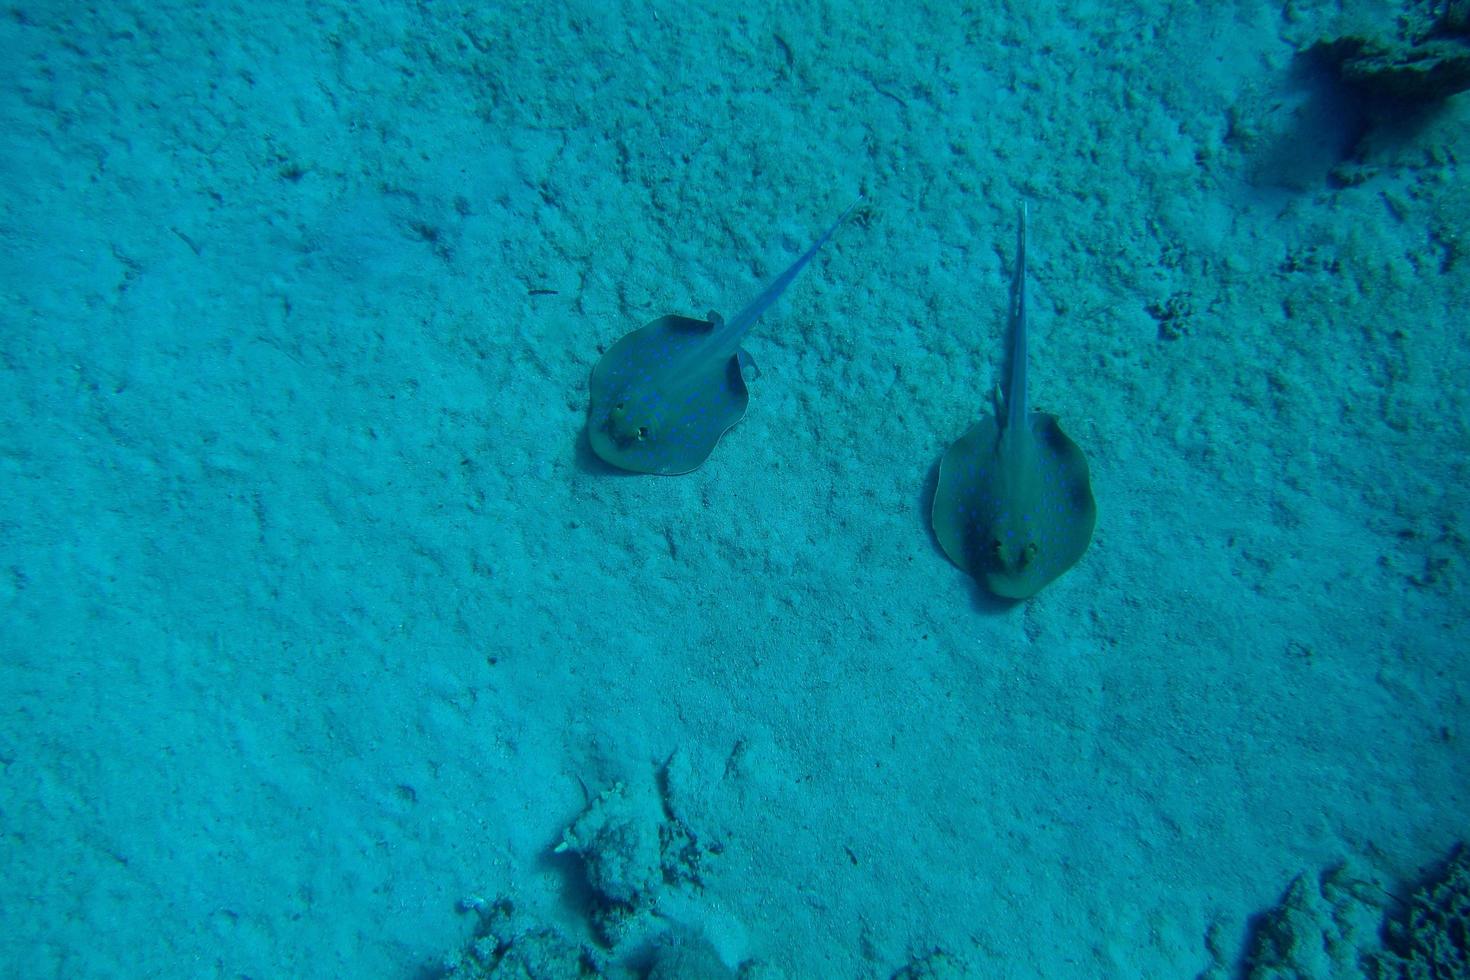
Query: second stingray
pixel 663 395
pixel 1014 504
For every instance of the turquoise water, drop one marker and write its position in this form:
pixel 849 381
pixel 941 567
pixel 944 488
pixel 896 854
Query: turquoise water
pixel 323 627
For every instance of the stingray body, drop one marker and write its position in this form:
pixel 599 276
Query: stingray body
pixel 663 395
pixel 1014 504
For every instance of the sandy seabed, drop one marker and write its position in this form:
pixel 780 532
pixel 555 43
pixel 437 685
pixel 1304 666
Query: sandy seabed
pixel 321 618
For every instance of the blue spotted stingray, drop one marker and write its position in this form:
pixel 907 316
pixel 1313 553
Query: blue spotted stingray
pixel 1014 504
pixel 663 395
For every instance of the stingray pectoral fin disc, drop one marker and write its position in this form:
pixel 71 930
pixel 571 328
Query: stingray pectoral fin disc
pixel 661 398
pixel 1014 520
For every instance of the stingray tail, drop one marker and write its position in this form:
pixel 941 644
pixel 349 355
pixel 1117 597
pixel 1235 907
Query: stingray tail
pixel 1016 407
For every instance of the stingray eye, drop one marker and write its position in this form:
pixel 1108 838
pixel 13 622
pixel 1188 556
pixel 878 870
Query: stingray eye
pixel 642 433
pixel 995 547
pixel 1030 553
